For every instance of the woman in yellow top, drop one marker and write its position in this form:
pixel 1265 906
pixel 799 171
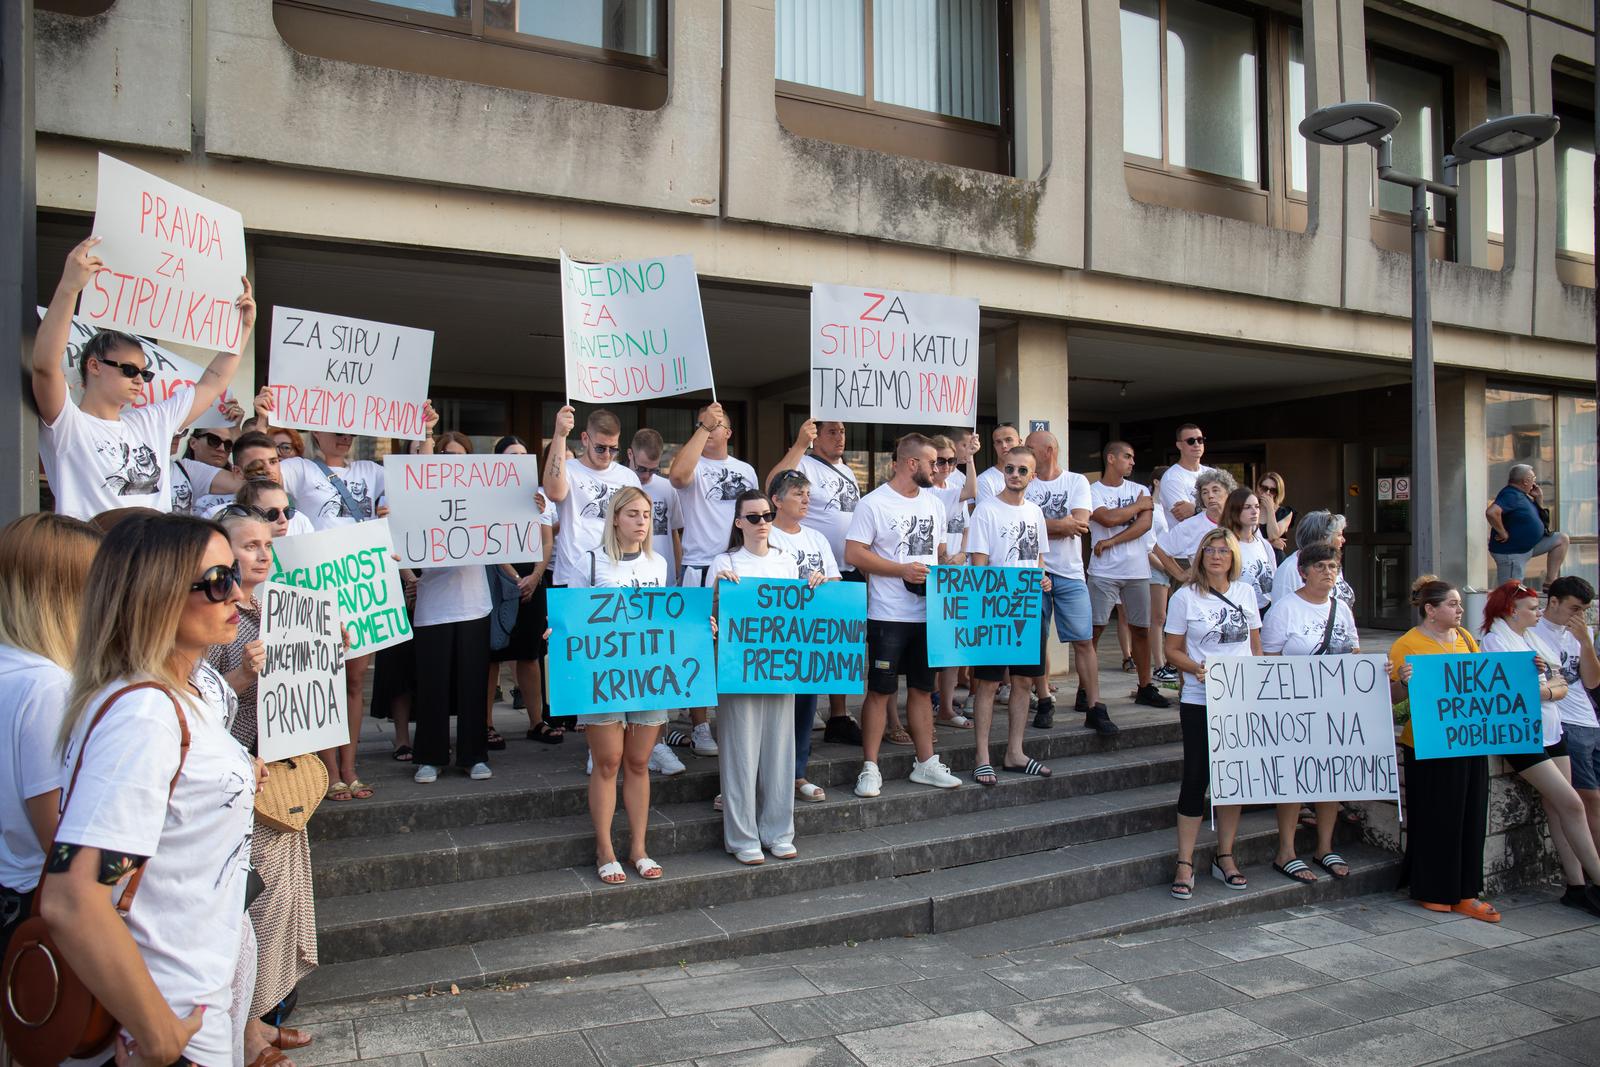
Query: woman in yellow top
pixel 1447 800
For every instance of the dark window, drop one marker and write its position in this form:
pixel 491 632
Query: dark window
pixel 1574 99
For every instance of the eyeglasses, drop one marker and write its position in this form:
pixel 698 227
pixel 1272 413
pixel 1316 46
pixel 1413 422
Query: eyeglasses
pixel 1009 469
pixel 605 450
pixel 211 439
pixel 757 518
pixel 1194 440
pixel 129 370
pixel 1217 550
pixel 1327 567
pixel 1268 487
pixel 285 448
pixel 945 462
pixel 217 582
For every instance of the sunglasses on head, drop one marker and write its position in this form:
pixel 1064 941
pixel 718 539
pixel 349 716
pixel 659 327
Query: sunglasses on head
pixel 129 370
pixel 757 518
pixel 605 450
pixel 1194 440
pixel 211 439
pixel 217 582
pixel 1010 469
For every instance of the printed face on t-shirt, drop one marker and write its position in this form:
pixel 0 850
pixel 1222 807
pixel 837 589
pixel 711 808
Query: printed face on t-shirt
pixel 916 535
pixel 359 492
pixel 1023 538
pixel 1228 624
pixel 844 491
pixel 659 525
pixel 1053 504
pixel 598 493
pixel 725 484
pixel 138 469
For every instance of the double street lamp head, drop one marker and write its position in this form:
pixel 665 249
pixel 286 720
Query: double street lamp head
pixel 1509 136
pixel 1369 122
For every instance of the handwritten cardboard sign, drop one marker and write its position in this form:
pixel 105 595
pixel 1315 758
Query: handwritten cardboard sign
pixel 346 375
pixel 1475 705
pixel 461 511
pixel 354 563
pixel 1284 729
pixel 779 635
pixel 634 649
pixel 173 259
pixel 985 616
pixel 633 329
pixel 883 356
pixel 300 696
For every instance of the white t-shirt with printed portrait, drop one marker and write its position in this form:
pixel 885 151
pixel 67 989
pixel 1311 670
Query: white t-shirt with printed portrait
pixel 665 517
pixel 746 564
pixel 191 482
pixel 1258 567
pixel 33 698
pixel 1294 627
pixel 1130 558
pixel 708 503
pixel 582 513
pixel 905 529
pixel 641 571
pixel 834 496
pixel 97 465
pixel 1010 535
pixel 1058 498
pixel 811 551
pixel 317 499
pixel 1210 627
pixel 956 516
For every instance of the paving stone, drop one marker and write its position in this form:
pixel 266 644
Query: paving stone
pixel 1380 919
pixel 1153 961
pixel 554 1050
pixel 1384 1043
pixel 1542 920
pixel 1579 1041
pixel 1515 964
pixel 1293 1015
pixel 410 1059
pixel 389 1035
pixel 1573 951
pixel 1484 935
pixel 838 1013
pixel 1316 931
pixel 659 1041
pixel 1073 1015
pixel 1477 1022
pixel 1361 998
pixel 969 991
pixel 346 1009
pixel 332 1042
pixel 1352 959
pixel 1268 977
pixel 1422 945
pixel 931 954
pixel 1512 1054
pixel 502 1016
pixel 1589 979
pixel 1177 994
pixel 1113 1048
pixel 1569 1002
pixel 1066 975
pixel 1270 1056
pixel 824 1053
pixel 1248 944
pixel 1441 981
pixel 1209 1034
pixel 720 992
pixel 936 1041
pixel 860 972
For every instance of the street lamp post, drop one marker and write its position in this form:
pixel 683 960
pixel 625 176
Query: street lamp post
pixel 1367 122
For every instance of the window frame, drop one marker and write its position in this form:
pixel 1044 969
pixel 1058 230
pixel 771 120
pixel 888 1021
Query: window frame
pixel 1569 94
pixel 1391 230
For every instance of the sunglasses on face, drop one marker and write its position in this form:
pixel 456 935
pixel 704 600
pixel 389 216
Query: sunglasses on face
pixel 129 370
pixel 1268 487
pixel 266 514
pixel 1194 440
pixel 217 582
pixel 1009 469
pixel 758 518
pixel 945 462
pixel 605 450
pixel 211 439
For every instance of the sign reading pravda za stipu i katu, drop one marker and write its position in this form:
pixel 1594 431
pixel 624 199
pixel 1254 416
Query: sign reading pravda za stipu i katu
pixel 633 330
pixel 985 616
pixel 174 262
pixel 883 356
pixel 780 635
pixel 300 694
pixel 356 564
pixel 631 649
pixel 345 375
pixel 458 511
pixel 1298 729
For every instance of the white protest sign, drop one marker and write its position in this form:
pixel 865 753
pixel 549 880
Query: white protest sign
pixel 173 372
pixel 355 564
pixel 461 511
pixel 174 261
pixel 882 356
pixel 300 695
pixel 633 329
pixel 1294 729
pixel 345 375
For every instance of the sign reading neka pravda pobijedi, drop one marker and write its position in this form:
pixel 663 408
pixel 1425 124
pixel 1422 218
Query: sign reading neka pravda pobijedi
pixel 883 356
pixel 300 694
pixel 1484 704
pixel 633 329
pixel 456 511
pixel 345 375
pixel 174 262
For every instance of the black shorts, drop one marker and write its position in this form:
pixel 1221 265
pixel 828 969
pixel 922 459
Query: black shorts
pixel 896 648
pixel 853 576
pixel 1522 761
pixel 1000 674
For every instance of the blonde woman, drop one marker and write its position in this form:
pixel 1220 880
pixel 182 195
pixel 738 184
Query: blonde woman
pixel 162 589
pixel 1276 514
pixel 44 561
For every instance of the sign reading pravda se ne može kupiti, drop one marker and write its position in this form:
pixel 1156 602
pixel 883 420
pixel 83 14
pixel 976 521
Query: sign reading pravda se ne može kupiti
pixel 985 616
pixel 457 511
pixel 1290 729
pixel 355 563
pixel 780 635
pixel 300 694
pixel 883 356
pixel 631 649
pixel 347 375
pixel 1484 704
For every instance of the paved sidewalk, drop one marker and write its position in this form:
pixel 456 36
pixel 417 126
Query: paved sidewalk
pixel 1372 982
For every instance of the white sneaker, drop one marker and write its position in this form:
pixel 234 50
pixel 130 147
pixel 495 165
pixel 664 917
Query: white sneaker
pixel 933 772
pixel 664 760
pixel 702 741
pixel 869 782
pixel 1003 694
pixel 820 722
pixel 589 767
pixel 480 772
pixel 425 775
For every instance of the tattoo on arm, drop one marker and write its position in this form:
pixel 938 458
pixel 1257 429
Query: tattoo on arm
pixel 114 865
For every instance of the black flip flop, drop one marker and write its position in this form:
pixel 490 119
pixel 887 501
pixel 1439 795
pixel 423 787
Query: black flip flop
pixel 1332 860
pixel 1033 768
pixel 1294 868
pixel 982 771
pixel 403 754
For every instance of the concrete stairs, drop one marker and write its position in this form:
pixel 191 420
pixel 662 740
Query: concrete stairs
pixel 475 883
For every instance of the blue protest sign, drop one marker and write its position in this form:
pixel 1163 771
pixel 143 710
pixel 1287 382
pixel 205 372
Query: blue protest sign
pixel 1475 705
pixel 778 635
pixel 984 616
pixel 630 649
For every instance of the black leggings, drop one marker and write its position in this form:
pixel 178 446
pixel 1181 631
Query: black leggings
pixel 1196 761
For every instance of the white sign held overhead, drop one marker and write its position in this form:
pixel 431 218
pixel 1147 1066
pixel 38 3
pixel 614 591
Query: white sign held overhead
pixel 347 375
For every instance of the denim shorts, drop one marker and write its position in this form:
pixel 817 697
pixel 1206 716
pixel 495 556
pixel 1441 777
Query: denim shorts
pixel 1068 601
pixel 628 718
pixel 1583 748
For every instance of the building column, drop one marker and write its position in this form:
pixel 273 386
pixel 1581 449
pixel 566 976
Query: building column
pixel 1463 478
pixel 19 321
pixel 1031 376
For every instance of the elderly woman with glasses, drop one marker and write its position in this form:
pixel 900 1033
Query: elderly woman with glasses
pixel 1315 528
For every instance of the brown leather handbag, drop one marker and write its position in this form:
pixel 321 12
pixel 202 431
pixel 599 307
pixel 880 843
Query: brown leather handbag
pixel 49 1014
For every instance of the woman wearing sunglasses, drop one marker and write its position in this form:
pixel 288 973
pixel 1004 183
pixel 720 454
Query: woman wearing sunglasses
pixel 271 501
pixel 1277 517
pixel 757 730
pixel 161 591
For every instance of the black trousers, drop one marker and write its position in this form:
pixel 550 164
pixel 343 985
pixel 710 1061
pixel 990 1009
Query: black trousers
pixel 1447 817
pixel 452 679
pixel 1196 760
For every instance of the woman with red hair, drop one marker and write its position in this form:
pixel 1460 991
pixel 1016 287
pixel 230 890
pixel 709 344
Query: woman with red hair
pixel 1509 618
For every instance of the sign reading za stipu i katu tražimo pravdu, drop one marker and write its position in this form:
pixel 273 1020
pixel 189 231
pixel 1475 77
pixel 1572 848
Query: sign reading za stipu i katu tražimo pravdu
pixel 631 649
pixel 174 262
pixel 780 635
pixel 883 356
pixel 985 616
pixel 458 511
pixel 633 329
pixel 1298 729
pixel 345 375
pixel 300 694
pixel 355 563
pixel 1483 704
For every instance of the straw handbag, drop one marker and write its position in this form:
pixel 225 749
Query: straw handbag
pixel 291 793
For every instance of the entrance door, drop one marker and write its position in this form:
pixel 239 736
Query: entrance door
pixel 1377 550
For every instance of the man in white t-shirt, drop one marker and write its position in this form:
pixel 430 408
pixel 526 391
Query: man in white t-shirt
pixel 1009 530
pixel 101 454
pixel 1177 484
pixel 818 453
pixel 1565 632
pixel 894 539
pixel 966 443
pixel 1121 516
pixel 666 523
pixel 977 487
